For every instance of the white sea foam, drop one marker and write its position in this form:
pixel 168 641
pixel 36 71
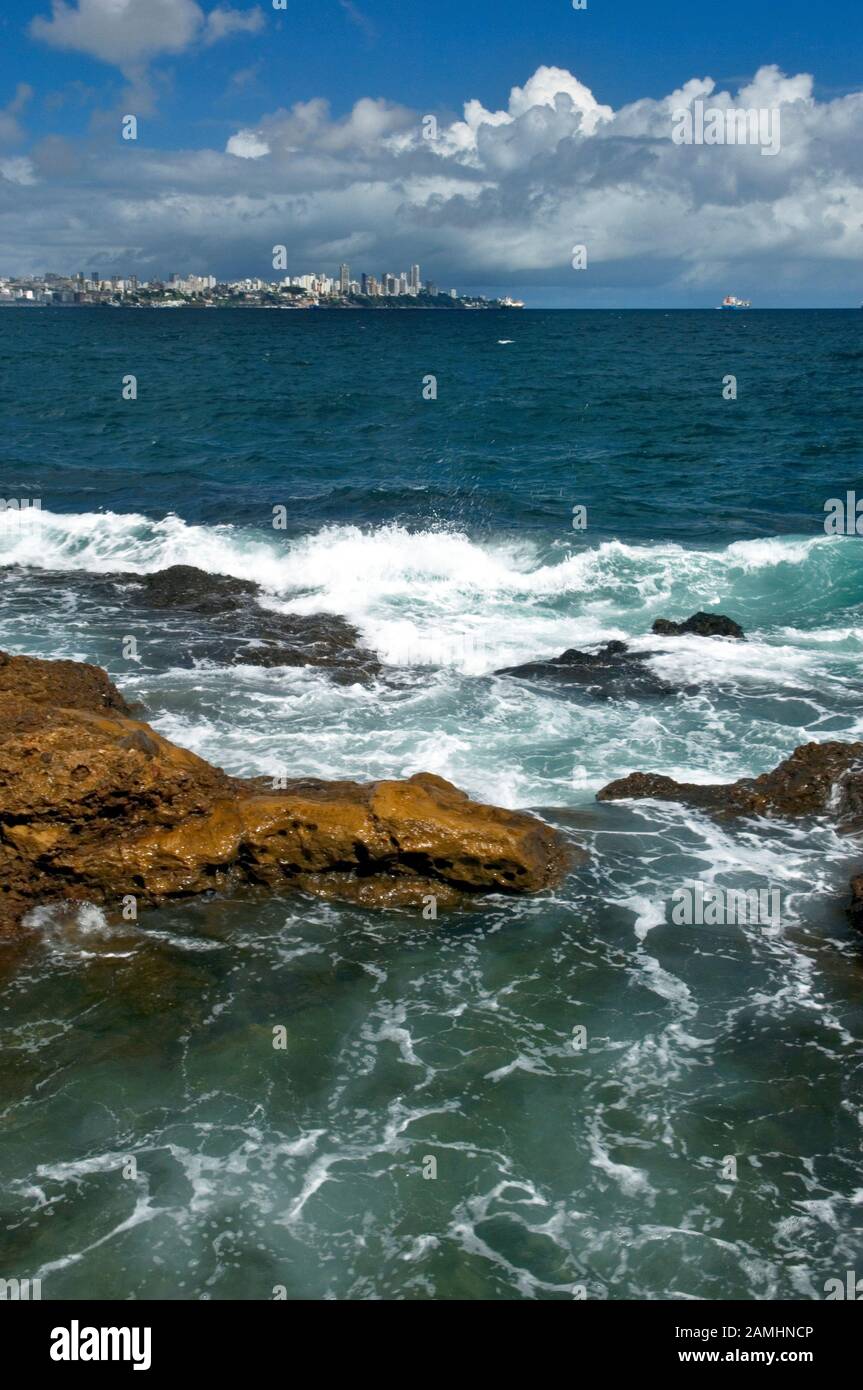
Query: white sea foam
pixel 438 598
pixel 437 606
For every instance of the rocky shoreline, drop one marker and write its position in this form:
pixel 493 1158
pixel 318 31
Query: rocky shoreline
pixel 95 806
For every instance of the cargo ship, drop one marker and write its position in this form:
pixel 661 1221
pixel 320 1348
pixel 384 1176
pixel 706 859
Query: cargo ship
pixel 732 302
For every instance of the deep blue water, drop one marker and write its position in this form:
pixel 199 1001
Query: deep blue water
pixel 442 529
pixel 324 412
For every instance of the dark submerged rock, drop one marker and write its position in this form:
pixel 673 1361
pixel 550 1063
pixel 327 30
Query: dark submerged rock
pixel 701 625
pixel 611 672
pixel 232 628
pixel 184 586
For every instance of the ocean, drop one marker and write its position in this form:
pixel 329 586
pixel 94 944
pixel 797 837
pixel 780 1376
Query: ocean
pixel 540 1098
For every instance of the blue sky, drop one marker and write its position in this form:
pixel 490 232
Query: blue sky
pixel 199 74
pixel 431 55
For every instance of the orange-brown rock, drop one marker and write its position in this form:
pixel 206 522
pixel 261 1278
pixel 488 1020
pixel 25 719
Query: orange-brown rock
pixel 818 778
pixel 95 805
pixel 72 684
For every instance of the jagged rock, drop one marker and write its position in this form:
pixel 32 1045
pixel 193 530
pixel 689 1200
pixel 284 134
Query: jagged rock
pixel 95 805
pixel 184 586
pixel 701 625
pixel 72 684
pixel 232 627
pixel 611 672
pixel 817 779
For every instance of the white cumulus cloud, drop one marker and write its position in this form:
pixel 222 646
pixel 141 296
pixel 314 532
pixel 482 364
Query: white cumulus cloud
pixel 246 144
pixel 499 197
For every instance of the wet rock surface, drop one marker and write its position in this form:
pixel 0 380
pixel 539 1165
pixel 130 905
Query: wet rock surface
pixel 817 779
pixel 184 616
pixel 27 681
pixel 612 672
pixel 700 625
pixel 95 805
pixel 242 632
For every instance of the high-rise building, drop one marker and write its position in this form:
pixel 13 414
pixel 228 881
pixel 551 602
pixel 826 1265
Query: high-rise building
pixel 415 279
pixel 344 278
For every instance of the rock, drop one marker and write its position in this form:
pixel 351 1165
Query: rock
pixel 95 805
pixel 184 586
pixel 72 684
pixel 818 778
pixel 231 627
pixel 701 625
pixel 611 672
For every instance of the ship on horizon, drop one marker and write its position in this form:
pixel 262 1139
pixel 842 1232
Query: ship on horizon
pixel 732 302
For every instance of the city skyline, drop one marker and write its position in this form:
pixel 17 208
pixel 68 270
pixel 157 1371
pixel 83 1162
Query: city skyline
pixel 291 291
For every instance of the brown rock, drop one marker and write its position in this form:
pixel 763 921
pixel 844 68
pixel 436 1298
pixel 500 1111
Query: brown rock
pixel 71 684
pixel 95 805
pixel 816 779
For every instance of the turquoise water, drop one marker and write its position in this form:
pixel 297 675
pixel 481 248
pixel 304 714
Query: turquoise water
pixel 442 529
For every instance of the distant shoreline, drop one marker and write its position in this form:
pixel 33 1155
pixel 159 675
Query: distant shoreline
pixel 482 309
pixel 478 308
pixel 278 308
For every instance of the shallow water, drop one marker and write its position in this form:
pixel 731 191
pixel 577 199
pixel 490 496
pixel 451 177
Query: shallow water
pixel 442 530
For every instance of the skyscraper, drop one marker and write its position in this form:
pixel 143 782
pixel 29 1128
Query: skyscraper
pixel 344 278
pixel 415 279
